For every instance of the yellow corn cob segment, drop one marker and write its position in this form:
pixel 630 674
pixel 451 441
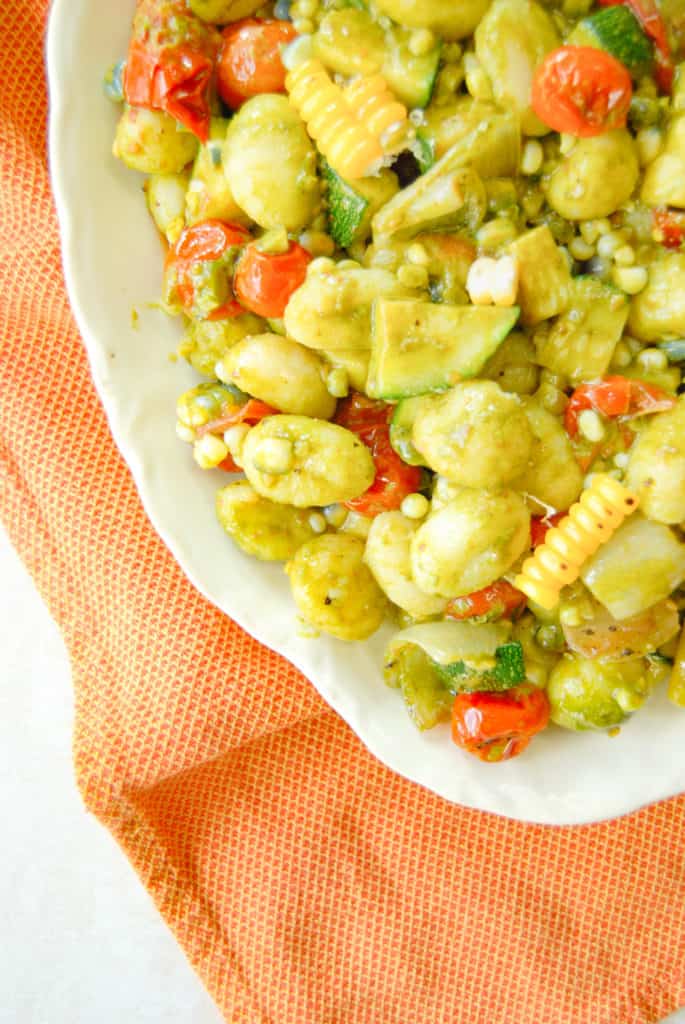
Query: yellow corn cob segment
pixel 590 523
pixel 347 144
pixel 374 105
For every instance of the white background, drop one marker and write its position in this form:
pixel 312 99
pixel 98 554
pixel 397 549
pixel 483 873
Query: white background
pixel 81 941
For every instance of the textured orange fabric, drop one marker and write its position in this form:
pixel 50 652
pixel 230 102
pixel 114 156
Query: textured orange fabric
pixel 306 882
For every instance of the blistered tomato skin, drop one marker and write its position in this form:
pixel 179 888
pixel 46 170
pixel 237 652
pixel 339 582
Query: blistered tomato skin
pixel 264 282
pixel 250 59
pixel 498 726
pixel 582 91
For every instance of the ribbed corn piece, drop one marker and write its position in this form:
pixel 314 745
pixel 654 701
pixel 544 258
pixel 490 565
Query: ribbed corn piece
pixel 590 523
pixel 347 143
pixel 374 105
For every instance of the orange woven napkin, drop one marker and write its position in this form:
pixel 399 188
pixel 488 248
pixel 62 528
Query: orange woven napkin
pixel 306 882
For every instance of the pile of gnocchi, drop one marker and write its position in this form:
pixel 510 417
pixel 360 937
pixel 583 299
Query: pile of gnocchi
pixel 430 262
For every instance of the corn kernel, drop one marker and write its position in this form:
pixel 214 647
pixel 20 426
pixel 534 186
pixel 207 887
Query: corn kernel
pixel 415 506
pixel 625 256
pixel 412 276
pixel 609 243
pixel 317 522
pixel 493 282
pixel 496 233
pixel 185 432
pixel 589 231
pixel 275 456
pixel 652 359
pixel 417 254
pixel 566 144
pixel 649 142
pixel 234 439
pixel 581 250
pixel 630 280
pixel 421 42
pixel 532 157
pixel 335 515
pixel 591 426
pixel 209 451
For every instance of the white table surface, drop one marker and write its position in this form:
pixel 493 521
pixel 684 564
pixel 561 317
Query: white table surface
pixel 82 942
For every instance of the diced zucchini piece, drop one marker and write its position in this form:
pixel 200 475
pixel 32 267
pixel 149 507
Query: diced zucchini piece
pixel 658 312
pixel 427 698
pixel 453 201
pixel 401 427
pixel 641 564
pixel 616 30
pixel 424 151
pixel 544 275
pixel 412 78
pixel 581 343
pixel 510 667
pixel 420 347
pixel 443 126
pixel 509 670
pixel 351 207
pixel 451 193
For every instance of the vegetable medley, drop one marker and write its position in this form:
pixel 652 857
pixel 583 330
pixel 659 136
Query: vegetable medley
pixel 430 258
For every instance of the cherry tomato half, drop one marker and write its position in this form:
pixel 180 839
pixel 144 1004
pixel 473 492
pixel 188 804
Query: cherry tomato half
pixel 200 244
pixel 498 601
pixel 250 60
pixel 170 63
pixel 615 396
pixel 370 421
pixel 499 726
pixel 581 91
pixel 265 281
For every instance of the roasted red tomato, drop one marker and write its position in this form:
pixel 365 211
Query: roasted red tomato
pixel 170 63
pixel 499 726
pixel 615 396
pixel 581 91
pixel 250 61
pixel 370 420
pixel 265 281
pixel 199 269
pixel 498 601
